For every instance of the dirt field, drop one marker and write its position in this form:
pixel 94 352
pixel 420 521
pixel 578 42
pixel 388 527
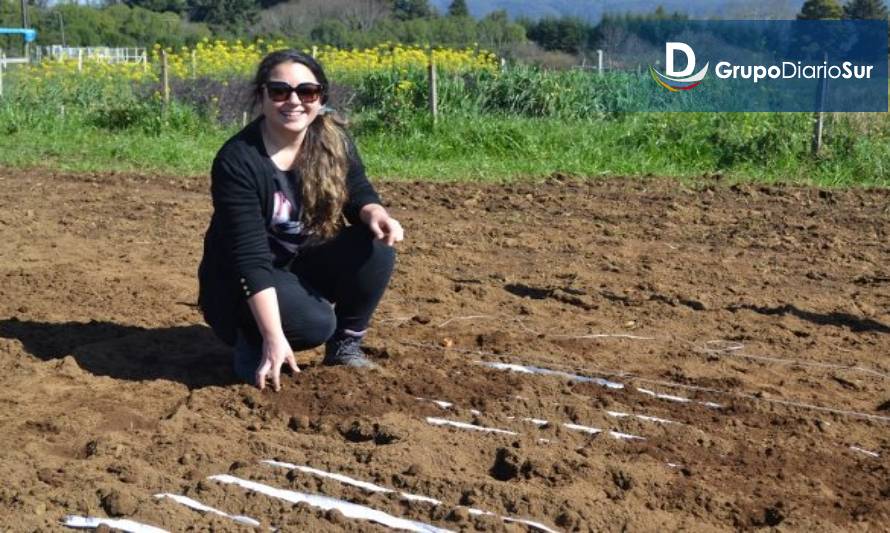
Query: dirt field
pixel 767 308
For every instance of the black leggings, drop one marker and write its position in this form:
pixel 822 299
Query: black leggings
pixel 330 287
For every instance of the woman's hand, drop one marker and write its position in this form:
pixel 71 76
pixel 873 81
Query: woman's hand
pixel 384 227
pixel 276 352
pixel 276 349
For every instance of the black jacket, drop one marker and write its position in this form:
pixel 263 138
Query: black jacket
pixel 237 260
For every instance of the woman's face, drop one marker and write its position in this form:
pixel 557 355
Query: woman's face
pixel 291 115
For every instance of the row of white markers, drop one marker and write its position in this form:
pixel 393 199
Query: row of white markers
pixel 527 369
pixel 361 512
pixel 325 503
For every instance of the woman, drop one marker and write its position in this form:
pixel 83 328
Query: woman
pixel 281 271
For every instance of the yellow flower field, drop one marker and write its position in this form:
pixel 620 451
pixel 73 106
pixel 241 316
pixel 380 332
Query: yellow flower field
pixel 223 60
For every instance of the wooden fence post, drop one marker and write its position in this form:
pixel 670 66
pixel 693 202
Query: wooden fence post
pixel 165 76
pixel 818 119
pixel 2 68
pixel 194 64
pixel 79 59
pixel 599 62
pixel 434 96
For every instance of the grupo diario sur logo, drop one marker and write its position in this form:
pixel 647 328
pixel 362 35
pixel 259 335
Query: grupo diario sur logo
pixel 776 65
pixel 684 80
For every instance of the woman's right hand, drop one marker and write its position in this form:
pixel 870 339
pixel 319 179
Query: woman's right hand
pixel 276 352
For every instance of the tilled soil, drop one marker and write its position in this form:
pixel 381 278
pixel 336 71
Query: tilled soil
pixel 765 309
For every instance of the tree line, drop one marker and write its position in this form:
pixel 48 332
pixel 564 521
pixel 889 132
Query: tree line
pixel 344 23
pixel 352 23
pixel 854 9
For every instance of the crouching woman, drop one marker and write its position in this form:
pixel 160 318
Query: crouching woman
pixel 281 271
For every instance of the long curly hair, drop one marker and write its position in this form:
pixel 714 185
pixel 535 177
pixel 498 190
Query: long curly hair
pixel 323 159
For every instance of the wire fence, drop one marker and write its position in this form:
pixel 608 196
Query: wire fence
pixel 92 53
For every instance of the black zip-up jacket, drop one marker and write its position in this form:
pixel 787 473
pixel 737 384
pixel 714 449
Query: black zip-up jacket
pixel 237 260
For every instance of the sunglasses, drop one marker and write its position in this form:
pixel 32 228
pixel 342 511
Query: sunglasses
pixel 307 93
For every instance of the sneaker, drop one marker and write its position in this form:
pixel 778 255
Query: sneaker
pixel 246 359
pixel 346 349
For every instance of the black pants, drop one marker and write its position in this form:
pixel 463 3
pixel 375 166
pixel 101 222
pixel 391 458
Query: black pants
pixel 333 286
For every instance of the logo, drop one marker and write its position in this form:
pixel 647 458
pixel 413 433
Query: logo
pixel 683 80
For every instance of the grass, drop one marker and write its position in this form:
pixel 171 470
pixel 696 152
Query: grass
pixel 93 150
pixel 742 147
pixel 520 124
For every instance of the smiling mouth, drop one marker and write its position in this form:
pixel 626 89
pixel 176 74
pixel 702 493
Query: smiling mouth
pixel 294 113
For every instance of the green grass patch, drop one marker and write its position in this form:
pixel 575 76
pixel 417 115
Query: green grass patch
pixel 522 123
pixel 481 147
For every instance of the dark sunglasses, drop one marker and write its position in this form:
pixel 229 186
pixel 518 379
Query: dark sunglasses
pixel 308 93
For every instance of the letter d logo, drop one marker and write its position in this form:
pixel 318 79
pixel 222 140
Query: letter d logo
pixel 679 80
pixel 670 50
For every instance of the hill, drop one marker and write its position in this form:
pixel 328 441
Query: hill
pixel 593 10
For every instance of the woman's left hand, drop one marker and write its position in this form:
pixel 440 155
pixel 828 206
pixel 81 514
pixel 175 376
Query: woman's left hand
pixel 384 227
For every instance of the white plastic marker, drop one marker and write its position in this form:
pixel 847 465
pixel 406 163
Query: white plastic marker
pixel 463 425
pixel 377 488
pixel 863 450
pixel 538 525
pixel 198 506
pixel 593 431
pixel 350 510
pixel 618 414
pixel 540 422
pixel 576 427
pixel 679 399
pixel 548 372
pixel 346 480
pixel 440 403
pixel 91 522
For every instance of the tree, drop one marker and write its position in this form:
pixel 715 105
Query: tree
pixel 411 9
pixel 458 8
pixel 362 15
pixel 231 15
pixel 498 33
pixel 820 9
pixel 866 9
pixel 289 19
pixel 567 34
pixel 175 6
pixel 332 32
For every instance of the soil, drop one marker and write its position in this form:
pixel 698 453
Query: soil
pixel 770 302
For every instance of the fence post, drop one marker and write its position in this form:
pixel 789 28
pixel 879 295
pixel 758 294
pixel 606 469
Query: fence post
pixel 819 117
pixel 817 132
pixel 80 60
pixel 165 76
pixel 599 62
pixel 244 119
pixel 314 50
pixel 2 68
pixel 194 64
pixel 434 97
